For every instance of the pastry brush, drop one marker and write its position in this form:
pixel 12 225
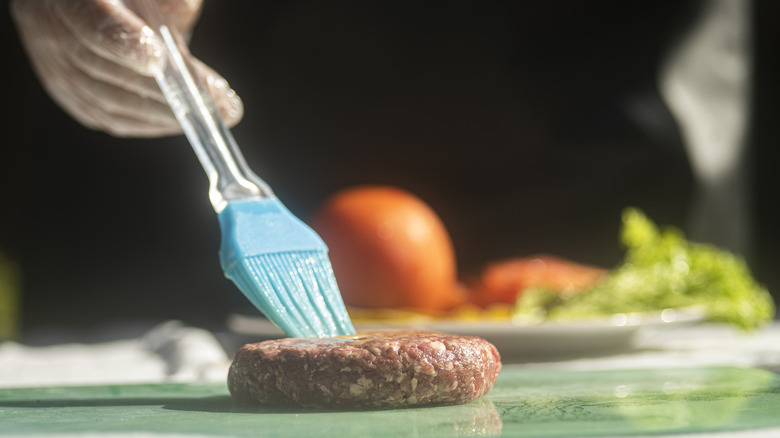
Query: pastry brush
pixel 278 262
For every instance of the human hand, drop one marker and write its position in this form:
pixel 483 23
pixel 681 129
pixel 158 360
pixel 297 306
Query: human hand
pixel 96 59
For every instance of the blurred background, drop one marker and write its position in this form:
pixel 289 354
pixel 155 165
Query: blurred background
pixel 528 126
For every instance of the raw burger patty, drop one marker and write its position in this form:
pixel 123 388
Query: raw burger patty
pixel 376 369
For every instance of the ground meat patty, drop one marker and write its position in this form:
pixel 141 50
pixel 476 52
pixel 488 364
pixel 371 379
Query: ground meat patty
pixel 377 369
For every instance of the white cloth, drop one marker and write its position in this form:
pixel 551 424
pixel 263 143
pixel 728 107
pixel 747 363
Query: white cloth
pixel 168 352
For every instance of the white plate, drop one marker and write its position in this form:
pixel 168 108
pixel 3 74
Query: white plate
pixel 547 340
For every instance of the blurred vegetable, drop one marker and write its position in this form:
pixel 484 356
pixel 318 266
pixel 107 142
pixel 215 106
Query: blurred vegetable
pixel 661 270
pixel 9 298
pixel 389 249
pixel 503 281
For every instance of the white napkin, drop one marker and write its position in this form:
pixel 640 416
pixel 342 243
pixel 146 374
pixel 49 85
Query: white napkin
pixel 169 352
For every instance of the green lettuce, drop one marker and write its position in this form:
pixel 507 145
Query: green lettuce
pixel 661 270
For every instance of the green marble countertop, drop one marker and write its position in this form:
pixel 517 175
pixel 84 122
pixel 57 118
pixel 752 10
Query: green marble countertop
pixel 526 402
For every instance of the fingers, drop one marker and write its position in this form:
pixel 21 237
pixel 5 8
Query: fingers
pixel 230 106
pixel 104 106
pixel 94 82
pixel 112 32
pixel 96 92
pixel 103 70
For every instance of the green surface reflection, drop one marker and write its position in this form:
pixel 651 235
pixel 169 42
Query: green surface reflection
pixel 596 403
pixel 524 403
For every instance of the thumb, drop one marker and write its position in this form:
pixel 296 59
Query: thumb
pixel 230 106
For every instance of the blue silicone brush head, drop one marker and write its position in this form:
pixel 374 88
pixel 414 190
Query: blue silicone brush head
pixel 281 265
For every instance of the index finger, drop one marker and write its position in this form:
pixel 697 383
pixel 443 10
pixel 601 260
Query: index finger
pixel 114 32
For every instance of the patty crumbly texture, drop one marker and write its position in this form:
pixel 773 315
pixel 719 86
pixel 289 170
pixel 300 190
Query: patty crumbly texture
pixel 385 369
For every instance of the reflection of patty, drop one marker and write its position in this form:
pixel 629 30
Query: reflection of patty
pixel 376 369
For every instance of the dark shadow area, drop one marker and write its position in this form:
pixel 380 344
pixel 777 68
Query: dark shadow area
pixel 210 404
pixel 207 404
pixel 528 126
pixel 218 404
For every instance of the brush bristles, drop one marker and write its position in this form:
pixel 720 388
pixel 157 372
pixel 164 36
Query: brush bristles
pixel 296 291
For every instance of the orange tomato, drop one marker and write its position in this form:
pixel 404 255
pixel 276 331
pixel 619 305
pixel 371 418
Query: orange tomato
pixel 388 249
pixel 502 281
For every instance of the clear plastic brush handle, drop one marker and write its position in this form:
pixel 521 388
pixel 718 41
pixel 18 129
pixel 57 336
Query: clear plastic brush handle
pixel 230 178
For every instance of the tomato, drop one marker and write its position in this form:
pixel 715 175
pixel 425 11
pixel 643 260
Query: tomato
pixel 388 248
pixel 502 281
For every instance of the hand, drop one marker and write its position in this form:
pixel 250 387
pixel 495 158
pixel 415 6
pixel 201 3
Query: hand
pixel 96 59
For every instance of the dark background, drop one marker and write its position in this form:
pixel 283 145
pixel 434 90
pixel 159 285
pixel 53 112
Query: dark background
pixel 516 121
